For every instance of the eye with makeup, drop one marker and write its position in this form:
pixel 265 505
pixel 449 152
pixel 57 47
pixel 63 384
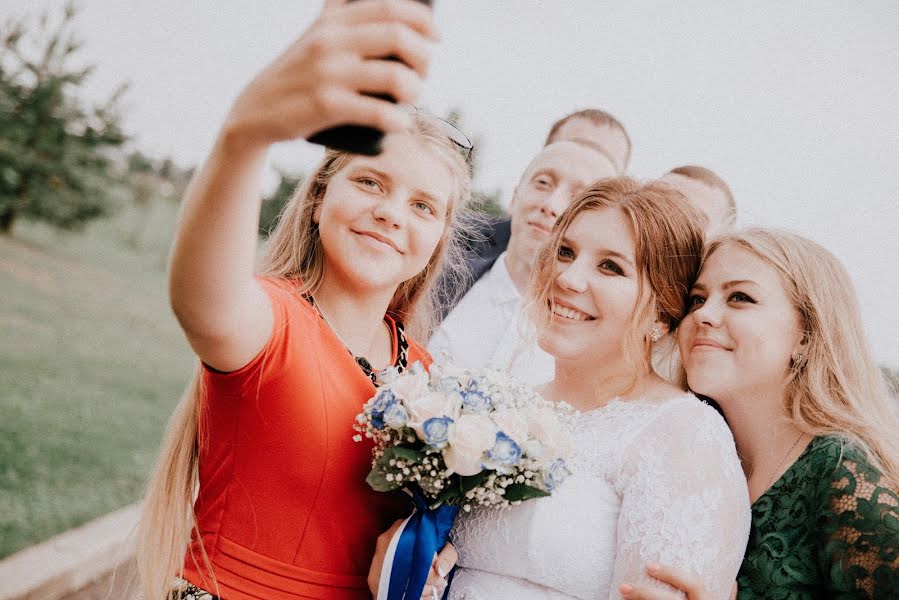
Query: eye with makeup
pixel 565 254
pixel 611 266
pixel 740 298
pixel 695 301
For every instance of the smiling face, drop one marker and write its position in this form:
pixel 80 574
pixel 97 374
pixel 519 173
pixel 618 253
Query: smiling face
pixel 742 329
pixel 383 216
pixel 559 173
pixel 595 291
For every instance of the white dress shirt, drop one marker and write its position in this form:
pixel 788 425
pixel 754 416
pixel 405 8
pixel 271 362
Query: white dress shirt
pixel 488 329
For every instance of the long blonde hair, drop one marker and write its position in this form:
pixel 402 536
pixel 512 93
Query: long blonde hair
pixel 668 246
pixel 836 389
pixel 294 250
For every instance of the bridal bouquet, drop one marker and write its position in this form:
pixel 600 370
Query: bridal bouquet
pixel 457 439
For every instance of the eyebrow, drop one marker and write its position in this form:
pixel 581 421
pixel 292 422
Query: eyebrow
pixel 727 284
pixel 416 192
pixel 603 251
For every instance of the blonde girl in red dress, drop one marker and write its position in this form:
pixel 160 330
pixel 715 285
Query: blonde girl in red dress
pixel 260 490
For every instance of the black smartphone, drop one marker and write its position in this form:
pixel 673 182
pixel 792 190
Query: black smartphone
pixel 355 138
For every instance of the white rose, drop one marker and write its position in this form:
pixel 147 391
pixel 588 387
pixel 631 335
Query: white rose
pixel 512 423
pixel 429 405
pixel 410 386
pixel 469 437
pixel 545 427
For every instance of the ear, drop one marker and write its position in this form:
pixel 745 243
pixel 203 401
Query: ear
pixel 317 213
pixel 661 326
pixel 801 346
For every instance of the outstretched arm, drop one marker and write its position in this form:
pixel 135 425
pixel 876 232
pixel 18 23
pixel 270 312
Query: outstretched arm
pixel 320 81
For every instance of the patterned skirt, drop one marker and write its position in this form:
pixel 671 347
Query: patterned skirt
pixel 185 590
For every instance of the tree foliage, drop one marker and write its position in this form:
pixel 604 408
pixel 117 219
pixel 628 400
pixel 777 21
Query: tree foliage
pixel 55 159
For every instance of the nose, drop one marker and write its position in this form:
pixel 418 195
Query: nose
pixel 572 278
pixel 555 202
pixel 709 313
pixel 388 211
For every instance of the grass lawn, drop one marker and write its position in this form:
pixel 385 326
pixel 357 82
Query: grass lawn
pixel 91 364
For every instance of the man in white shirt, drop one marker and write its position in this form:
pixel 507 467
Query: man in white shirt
pixel 488 325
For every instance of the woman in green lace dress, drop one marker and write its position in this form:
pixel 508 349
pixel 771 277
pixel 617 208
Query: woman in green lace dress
pixel 775 338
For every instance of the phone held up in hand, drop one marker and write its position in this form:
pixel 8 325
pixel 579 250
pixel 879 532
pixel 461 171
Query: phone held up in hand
pixel 356 138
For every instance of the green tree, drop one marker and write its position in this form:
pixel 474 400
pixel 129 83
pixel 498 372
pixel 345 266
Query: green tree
pixel 489 203
pixel 55 159
pixel 273 204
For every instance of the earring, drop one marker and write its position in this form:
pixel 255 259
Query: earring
pixel 798 360
pixel 655 335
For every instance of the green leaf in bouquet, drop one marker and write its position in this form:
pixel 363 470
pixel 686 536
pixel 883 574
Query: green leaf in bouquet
pixel 520 491
pixel 404 453
pixel 377 479
pixel 449 495
pixel 470 482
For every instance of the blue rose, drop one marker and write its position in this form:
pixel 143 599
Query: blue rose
pixel 378 407
pixel 555 474
pixel 474 399
pixel 395 414
pixel 505 452
pixel 436 431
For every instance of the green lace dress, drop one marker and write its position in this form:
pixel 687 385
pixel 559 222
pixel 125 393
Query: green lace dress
pixel 828 528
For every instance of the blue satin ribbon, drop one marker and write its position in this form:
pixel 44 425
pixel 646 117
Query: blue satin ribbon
pixel 426 532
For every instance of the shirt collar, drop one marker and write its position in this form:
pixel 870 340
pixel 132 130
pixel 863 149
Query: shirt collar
pixel 498 277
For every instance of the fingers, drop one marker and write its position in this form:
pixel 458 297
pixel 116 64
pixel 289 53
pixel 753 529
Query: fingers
pixel 678 578
pixel 446 560
pixel 415 15
pixel 640 592
pixel 337 106
pixel 433 592
pixel 378 40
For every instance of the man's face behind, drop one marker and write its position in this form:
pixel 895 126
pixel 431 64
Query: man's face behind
pixel 554 178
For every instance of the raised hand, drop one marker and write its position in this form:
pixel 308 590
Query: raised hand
pixel 324 78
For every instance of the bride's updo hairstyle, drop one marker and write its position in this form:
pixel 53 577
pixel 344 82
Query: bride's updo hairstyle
pixel 668 237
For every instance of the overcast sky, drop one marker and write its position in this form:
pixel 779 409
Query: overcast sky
pixel 794 106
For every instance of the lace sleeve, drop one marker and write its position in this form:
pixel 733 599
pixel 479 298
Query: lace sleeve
pixel 684 500
pixel 860 529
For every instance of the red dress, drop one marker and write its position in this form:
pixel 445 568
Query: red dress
pixel 283 508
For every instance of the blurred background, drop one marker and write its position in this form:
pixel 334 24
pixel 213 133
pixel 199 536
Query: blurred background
pixel 107 107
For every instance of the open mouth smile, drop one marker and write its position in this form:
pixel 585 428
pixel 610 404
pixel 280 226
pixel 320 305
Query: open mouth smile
pixel 569 312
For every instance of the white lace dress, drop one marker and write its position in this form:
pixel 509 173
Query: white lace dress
pixel 652 482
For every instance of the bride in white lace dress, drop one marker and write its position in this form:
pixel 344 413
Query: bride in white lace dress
pixel 655 475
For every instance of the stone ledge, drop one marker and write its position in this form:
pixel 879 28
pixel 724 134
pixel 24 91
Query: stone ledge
pixel 72 560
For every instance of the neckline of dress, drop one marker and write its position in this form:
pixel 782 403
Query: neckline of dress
pixel 618 401
pixel 812 445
